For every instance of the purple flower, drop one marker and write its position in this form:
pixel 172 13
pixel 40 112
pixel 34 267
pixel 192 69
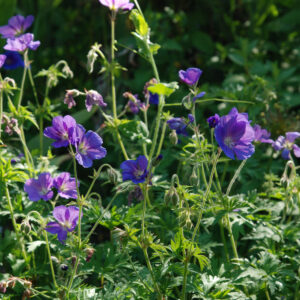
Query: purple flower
pixel 93 98
pixel 190 76
pixel 60 130
pixel 39 188
pixel 88 146
pixel 13 60
pixel 67 219
pixel 22 43
pixel 117 4
pixel 180 125
pixel 153 98
pixel 200 95
pixel 134 104
pixel 2 60
pixel 69 100
pixel 262 135
pixel 191 118
pixel 16 26
pixel 213 121
pixel 135 170
pixel 235 135
pixel 287 144
pixel 65 185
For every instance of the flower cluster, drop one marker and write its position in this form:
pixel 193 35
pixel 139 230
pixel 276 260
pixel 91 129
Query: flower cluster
pixel 65 131
pixel 16 39
pixel 41 188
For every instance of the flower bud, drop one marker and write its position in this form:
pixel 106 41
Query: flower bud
pixel 156 161
pixel 26 294
pixel 25 227
pixel 171 196
pixel 89 254
pixel 55 259
pixel 27 284
pixel 64 267
pixel 194 180
pixel 112 176
pixel 3 286
pixel 173 137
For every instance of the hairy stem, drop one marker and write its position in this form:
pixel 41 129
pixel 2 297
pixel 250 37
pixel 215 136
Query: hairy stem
pixel 50 260
pixel 23 79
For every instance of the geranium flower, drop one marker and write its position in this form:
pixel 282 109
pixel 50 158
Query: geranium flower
pixel 13 60
pixel 2 60
pixel 287 144
pixel 198 96
pixel 65 185
pixel 69 99
pixel 135 170
pixel 153 98
pixel 88 146
pixel 16 26
pixel 213 121
pixel 180 125
pixel 93 98
pixel 262 135
pixel 67 219
pixel 39 188
pixel 59 131
pixel 235 135
pixel 117 4
pixel 21 43
pixel 190 76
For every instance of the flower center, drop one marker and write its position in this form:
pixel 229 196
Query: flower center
pixel 82 148
pixel 228 142
pixel 138 173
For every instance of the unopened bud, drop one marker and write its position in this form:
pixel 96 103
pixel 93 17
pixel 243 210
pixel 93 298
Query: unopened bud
pixel 89 254
pixel 27 283
pixel 55 259
pixel 156 161
pixel 173 137
pixel 112 175
pixel 26 294
pixel 3 286
pixel 25 227
pixel 194 180
pixel 64 267
pixel 171 196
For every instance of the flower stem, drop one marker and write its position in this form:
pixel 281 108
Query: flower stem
pixel 100 219
pixel 143 244
pixel 1 106
pixel 23 79
pixel 16 229
pixel 113 87
pixel 50 260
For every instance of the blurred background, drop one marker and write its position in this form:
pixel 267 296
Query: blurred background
pixel 247 49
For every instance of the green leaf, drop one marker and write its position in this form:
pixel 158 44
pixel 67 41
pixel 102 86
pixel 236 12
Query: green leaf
pixel 139 22
pixel 32 246
pixel 165 89
pixel 136 131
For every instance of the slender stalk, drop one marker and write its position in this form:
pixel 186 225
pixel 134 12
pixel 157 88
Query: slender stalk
pixel 50 260
pixel 72 276
pixel 224 241
pixel 1 106
pixel 16 229
pixel 100 219
pixel 186 264
pixel 33 86
pixel 267 293
pixel 23 79
pixel 113 87
pixel 162 137
pixel 235 176
pixel 143 246
pixel 207 192
pixel 28 157
pixel 211 99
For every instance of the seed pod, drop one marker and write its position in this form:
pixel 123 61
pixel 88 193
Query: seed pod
pixel 173 137
pixel 112 176
pixel 25 227
pixel 171 196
